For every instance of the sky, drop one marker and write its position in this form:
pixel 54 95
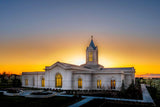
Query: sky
pixel 38 33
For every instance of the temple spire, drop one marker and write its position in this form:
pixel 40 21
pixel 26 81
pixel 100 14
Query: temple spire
pixel 92 55
pixel 92 43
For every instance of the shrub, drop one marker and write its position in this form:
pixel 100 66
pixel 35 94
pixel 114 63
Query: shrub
pixel 41 93
pixel 12 91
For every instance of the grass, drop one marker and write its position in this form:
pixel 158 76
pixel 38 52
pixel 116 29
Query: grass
pixel 17 101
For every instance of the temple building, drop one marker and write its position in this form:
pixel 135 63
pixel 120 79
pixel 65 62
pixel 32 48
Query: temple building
pixel 89 76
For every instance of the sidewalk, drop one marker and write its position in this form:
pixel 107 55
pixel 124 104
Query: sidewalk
pixel 82 102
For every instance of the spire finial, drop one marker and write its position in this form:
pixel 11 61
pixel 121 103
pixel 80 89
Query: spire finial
pixel 91 37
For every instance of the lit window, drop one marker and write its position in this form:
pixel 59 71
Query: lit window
pixel 43 82
pixel 26 82
pixel 113 84
pixel 58 81
pixel 90 56
pixel 98 83
pixel 79 83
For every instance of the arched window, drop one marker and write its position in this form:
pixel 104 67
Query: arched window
pixel 58 81
pixel 90 56
pixel 113 84
pixel 26 82
pixel 98 83
pixel 79 83
pixel 43 82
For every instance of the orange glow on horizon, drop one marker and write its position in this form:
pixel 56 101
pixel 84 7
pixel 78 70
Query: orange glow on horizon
pixel 30 55
pixel 77 60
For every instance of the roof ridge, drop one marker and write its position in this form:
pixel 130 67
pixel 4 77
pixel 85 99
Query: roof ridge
pixel 68 64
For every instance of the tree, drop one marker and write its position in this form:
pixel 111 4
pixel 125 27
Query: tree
pixel 16 82
pixel 123 87
pixel 131 90
pixel 4 80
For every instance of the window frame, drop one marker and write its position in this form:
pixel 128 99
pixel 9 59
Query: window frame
pixel 99 83
pixel 90 56
pixel 26 82
pixel 58 80
pixel 113 84
pixel 43 82
pixel 79 82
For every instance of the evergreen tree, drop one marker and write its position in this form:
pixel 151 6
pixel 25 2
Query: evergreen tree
pixel 123 87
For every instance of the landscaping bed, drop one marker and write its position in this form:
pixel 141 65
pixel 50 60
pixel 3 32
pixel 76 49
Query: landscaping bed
pixel 12 90
pixel 108 103
pixel 41 93
pixel 18 101
pixel 133 92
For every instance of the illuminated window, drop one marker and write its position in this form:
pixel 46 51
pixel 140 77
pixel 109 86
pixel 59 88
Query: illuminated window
pixel 58 81
pixel 90 56
pixel 79 83
pixel 43 82
pixel 98 83
pixel 113 84
pixel 26 82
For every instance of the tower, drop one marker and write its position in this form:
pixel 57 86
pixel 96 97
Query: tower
pixel 92 56
pixel 92 53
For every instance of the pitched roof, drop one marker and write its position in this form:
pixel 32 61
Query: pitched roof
pixel 67 66
pixel 34 73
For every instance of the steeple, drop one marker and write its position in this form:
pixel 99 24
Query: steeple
pixel 92 53
pixel 92 56
pixel 92 43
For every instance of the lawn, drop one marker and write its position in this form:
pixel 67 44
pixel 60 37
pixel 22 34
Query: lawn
pixel 18 101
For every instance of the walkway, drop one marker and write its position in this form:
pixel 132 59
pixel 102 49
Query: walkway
pixel 82 102
pixel 146 96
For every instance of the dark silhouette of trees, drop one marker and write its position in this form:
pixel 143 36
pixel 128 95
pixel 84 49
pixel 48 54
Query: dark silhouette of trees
pixel 4 80
pixel 9 80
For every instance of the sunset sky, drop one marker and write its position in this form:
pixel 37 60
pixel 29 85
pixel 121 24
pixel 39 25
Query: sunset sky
pixel 38 33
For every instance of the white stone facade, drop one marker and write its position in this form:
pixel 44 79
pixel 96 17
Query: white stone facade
pixel 93 76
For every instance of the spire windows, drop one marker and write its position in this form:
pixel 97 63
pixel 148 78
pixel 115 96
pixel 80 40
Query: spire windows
pixel 90 56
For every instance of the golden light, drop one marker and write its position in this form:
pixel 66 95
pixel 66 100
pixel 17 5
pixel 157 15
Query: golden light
pixel 28 55
pixel 105 62
pixel 78 61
